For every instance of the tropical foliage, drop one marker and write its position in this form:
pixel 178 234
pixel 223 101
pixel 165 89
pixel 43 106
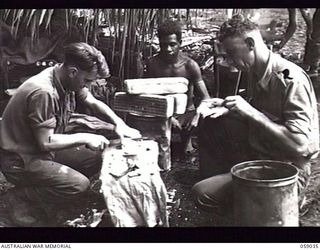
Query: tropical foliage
pixel 127 32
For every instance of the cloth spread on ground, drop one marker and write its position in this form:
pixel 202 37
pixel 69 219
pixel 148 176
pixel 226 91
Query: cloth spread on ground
pixel 133 190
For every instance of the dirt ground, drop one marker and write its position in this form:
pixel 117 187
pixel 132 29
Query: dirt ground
pixel 184 173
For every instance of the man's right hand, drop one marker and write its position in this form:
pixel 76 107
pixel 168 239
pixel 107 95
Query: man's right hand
pixel 96 142
pixel 175 123
pixel 240 106
pixel 212 107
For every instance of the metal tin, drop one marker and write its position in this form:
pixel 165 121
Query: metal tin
pixel 265 194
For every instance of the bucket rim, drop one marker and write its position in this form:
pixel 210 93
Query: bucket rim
pixel 284 180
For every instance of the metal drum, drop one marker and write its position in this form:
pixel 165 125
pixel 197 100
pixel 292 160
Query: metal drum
pixel 265 194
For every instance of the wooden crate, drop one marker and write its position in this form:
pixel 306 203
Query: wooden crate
pixel 157 86
pixel 146 105
pixel 180 103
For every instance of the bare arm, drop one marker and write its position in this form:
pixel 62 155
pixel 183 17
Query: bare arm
pixel 41 117
pixel 202 89
pixel 103 109
pixel 121 128
pixel 199 84
pixel 48 141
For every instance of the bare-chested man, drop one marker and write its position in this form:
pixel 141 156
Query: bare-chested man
pixel 171 62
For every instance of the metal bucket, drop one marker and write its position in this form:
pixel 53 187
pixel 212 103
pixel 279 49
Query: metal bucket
pixel 265 194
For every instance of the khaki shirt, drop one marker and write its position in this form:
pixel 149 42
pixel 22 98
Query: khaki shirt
pixel 40 102
pixel 285 94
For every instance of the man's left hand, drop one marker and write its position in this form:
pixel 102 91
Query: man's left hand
pixel 191 121
pixel 125 131
pixel 239 105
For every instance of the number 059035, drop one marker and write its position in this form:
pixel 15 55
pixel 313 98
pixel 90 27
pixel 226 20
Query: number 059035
pixel 309 245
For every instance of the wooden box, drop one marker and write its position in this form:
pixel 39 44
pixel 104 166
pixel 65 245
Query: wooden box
pixel 146 105
pixel 156 86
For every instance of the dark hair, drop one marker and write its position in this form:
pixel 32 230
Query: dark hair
pixel 85 57
pixel 170 27
pixel 237 26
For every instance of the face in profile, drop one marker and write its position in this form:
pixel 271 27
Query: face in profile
pixel 239 53
pixel 82 78
pixel 169 47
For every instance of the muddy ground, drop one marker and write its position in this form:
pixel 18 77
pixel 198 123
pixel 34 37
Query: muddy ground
pixel 184 173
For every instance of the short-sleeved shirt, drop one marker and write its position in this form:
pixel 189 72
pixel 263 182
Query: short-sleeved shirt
pixel 285 94
pixel 40 102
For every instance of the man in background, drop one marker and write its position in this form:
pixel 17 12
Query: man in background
pixel 171 62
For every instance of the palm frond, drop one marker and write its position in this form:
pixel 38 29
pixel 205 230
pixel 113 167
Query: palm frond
pixel 67 19
pixel 50 13
pixel 26 15
pixel 123 45
pixel 6 14
pixel 43 13
pixel 33 29
pixel 31 16
pixel 17 23
pixel 130 30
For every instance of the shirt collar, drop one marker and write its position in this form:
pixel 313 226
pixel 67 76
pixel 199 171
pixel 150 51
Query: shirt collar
pixel 57 83
pixel 265 79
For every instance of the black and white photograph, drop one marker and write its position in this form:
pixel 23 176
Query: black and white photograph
pixel 159 118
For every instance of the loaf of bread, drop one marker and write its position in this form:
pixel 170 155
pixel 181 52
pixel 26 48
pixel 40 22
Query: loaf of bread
pixel 158 86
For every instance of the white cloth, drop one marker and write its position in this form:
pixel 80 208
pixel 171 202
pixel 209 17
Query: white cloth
pixel 133 190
